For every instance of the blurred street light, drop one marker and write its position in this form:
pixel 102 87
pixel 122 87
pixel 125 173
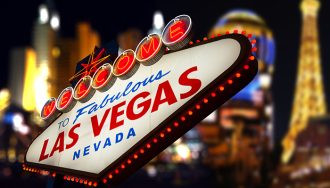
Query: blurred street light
pixel 43 14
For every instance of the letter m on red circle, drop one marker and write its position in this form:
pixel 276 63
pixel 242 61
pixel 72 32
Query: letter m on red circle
pixel 149 47
pixel 177 30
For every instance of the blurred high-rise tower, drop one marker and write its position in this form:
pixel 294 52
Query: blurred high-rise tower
pixel 43 41
pixel 21 77
pixel 309 100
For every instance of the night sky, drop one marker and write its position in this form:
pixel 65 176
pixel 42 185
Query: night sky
pixel 111 17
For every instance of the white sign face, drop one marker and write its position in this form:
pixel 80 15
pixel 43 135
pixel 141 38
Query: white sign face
pixel 92 153
pixel 95 134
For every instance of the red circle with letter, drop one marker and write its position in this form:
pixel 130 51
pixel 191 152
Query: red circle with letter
pixel 82 91
pixel 65 101
pixel 150 49
pixel 124 63
pixel 177 32
pixel 102 76
pixel 49 109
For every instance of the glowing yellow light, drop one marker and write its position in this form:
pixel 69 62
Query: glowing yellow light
pixel 28 100
pixel 56 52
pixel 183 151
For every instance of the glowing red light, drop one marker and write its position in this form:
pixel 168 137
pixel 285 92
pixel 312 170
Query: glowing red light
pixel 124 63
pixel 230 81
pixel 176 124
pixel 198 106
pixel 90 183
pixel 110 176
pixel 249 35
pixel 238 75
pixel 205 38
pixel 155 140
pixel 81 89
pixel 253 41
pixel 213 94
pixel 183 118
pixel 135 156
pixel 105 180
pixel 116 171
pixel 95 184
pixel 205 100
pixel 123 166
pixel 168 129
pixel 129 161
pixel 235 31
pixel 221 88
pixel 162 135
pixel 101 77
pixel 243 32
pixel 148 146
pixel 246 67
pixel 141 151
pixel 254 49
pixel 251 58
pixel 49 108
pixel 197 41
pixel 191 42
pixel 177 30
pixel 148 47
pixel 65 98
pixel 190 112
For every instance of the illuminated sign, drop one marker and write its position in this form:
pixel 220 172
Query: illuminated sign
pixel 65 101
pixel 150 49
pixel 49 110
pixel 130 111
pixel 125 65
pixel 83 90
pixel 103 78
pixel 177 33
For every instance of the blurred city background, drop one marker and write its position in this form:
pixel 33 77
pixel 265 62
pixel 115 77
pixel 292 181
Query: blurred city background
pixel 274 133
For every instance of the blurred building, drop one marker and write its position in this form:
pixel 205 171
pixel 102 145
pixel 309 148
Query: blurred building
pixel 87 39
pixel 43 41
pixel 237 146
pixel 129 39
pixel 259 90
pixel 21 77
pixel 238 135
pixel 310 163
pixel 309 100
